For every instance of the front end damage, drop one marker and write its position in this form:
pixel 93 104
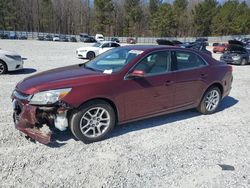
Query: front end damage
pixel 38 122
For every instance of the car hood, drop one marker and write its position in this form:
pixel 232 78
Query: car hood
pixel 91 48
pixel 8 53
pixel 63 77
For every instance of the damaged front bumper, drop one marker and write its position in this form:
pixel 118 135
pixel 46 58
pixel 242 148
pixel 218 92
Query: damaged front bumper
pixel 37 122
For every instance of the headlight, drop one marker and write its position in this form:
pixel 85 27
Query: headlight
pixel 49 97
pixel 15 57
pixel 235 58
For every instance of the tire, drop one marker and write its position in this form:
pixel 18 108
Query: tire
pixel 210 101
pixel 93 128
pixel 3 68
pixel 90 55
pixel 243 61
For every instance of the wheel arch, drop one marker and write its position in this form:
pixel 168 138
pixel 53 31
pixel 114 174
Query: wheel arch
pixel 2 61
pixel 110 102
pixel 215 84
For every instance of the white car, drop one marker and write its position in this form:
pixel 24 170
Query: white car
pixel 98 48
pixel 10 61
pixel 56 38
pixel 99 37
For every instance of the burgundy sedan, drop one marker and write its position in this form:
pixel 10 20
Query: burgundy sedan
pixel 122 85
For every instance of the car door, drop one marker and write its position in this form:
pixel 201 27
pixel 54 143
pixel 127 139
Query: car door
pixel 152 93
pixel 190 72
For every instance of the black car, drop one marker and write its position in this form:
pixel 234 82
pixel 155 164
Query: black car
pixel 73 39
pixel 115 39
pixel 235 54
pixel 48 38
pixel 90 40
pixel 23 36
pixel 3 35
pixel 201 46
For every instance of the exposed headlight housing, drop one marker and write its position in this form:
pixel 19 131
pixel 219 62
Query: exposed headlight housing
pixel 49 97
pixel 236 58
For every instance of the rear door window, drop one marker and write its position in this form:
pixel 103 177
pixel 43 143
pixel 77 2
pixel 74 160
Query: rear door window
pixel 187 60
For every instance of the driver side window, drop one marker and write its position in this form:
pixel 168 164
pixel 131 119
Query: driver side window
pixel 155 63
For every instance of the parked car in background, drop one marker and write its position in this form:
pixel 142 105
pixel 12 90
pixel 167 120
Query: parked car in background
pixel 202 40
pixel 96 49
pixel 10 61
pixel 23 36
pixel 73 39
pixel 83 37
pixel 40 37
pixel 147 83
pixel 168 42
pixel 99 37
pixel 48 37
pixel 3 35
pixel 12 35
pixel 63 38
pixel 235 54
pixel 131 40
pixel 56 38
pixel 220 47
pixel 115 39
pixel 90 40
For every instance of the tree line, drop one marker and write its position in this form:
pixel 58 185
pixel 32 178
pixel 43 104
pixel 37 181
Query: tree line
pixel 136 18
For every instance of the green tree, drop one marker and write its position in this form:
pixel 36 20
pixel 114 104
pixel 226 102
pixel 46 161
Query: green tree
pixel 203 15
pixel 232 18
pixel 103 15
pixel 133 17
pixel 163 21
pixel 181 14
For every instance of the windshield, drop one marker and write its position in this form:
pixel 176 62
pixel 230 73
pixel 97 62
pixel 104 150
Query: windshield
pixel 113 60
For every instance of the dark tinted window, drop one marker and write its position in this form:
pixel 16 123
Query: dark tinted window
pixel 114 45
pixel 187 60
pixel 155 63
pixel 106 45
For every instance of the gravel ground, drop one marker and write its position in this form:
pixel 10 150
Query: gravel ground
pixel 183 149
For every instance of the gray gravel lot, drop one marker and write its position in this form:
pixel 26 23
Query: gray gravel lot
pixel 183 149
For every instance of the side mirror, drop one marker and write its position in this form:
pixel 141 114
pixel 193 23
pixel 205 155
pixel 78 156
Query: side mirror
pixel 136 74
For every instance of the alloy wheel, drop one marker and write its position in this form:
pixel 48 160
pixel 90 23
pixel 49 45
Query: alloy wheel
pixel 212 100
pixel 95 122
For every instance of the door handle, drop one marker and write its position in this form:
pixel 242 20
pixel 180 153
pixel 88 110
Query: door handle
pixel 169 82
pixel 203 76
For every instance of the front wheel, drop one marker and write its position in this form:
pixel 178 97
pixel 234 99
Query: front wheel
pixel 210 101
pixel 90 55
pixel 3 68
pixel 93 122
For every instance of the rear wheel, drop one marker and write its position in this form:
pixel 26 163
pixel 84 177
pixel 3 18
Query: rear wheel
pixel 210 101
pixel 243 61
pixel 93 122
pixel 3 68
pixel 90 55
